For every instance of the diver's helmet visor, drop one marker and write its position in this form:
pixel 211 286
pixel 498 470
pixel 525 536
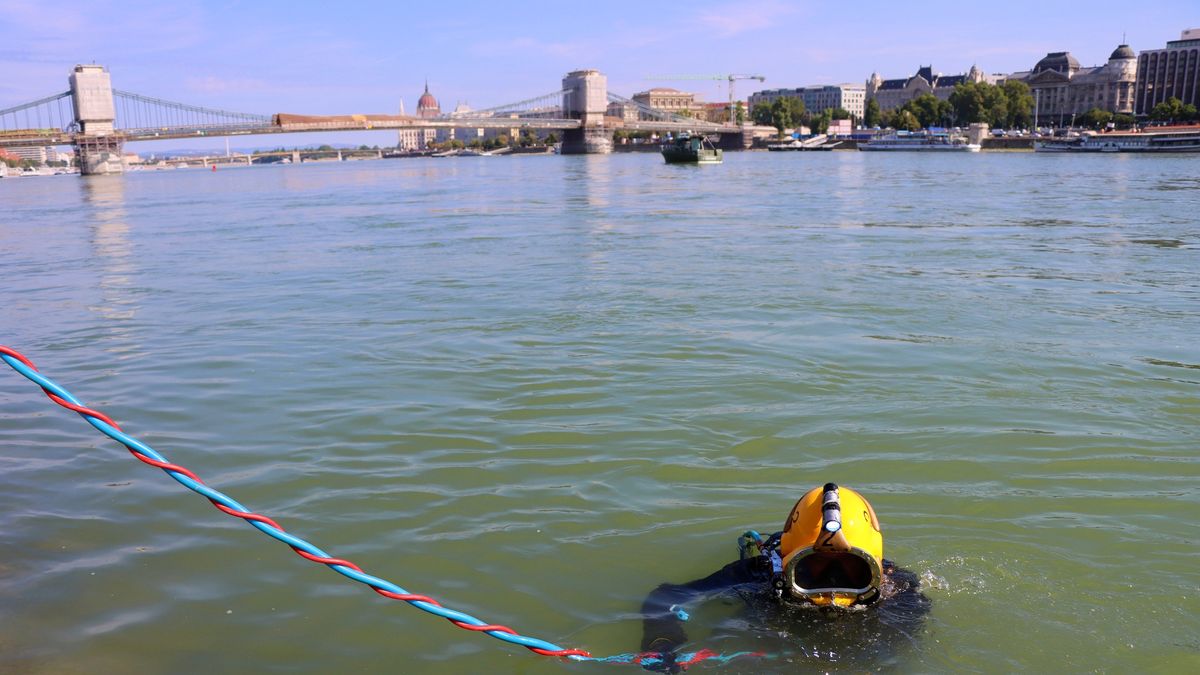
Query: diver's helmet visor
pixel 833 577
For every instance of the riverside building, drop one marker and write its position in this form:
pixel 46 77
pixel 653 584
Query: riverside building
pixel 668 100
pixel 818 98
pixel 1062 89
pixel 1171 71
pixel 892 94
pixel 419 139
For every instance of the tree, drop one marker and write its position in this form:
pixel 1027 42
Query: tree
pixel 740 112
pixel 995 105
pixel 872 116
pixel 819 124
pixel 904 119
pixel 1123 121
pixel 983 102
pixel 1169 110
pixel 1095 118
pixel 502 140
pixel 1020 104
pixel 551 138
pixel 967 102
pixel 761 114
pixel 930 110
pixel 786 112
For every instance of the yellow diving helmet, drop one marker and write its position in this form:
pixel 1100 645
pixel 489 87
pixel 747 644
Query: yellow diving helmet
pixel 832 549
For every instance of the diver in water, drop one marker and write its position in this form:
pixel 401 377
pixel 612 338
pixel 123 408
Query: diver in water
pixel 822 581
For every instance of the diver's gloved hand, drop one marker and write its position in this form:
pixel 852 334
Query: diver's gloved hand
pixel 659 656
pixel 662 662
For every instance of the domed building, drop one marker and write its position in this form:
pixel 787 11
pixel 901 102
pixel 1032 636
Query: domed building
pixel 1061 88
pixel 1109 87
pixel 1058 62
pixel 427 105
pixel 419 139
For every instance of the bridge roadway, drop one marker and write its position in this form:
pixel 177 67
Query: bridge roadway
pixel 48 137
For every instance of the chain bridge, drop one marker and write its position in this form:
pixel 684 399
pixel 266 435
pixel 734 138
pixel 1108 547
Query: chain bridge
pixel 97 120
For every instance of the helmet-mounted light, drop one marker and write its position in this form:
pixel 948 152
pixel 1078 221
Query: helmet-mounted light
pixel 832 548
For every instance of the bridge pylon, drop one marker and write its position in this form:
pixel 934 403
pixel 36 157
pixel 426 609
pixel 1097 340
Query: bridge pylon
pixel 98 146
pixel 585 98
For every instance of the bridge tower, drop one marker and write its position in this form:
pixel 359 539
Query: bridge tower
pixel 97 145
pixel 586 99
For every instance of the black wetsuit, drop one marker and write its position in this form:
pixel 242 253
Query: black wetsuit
pixel 862 637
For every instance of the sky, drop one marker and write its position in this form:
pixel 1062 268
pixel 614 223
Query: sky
pixel 265 56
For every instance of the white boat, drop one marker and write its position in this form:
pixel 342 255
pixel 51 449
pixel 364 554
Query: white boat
pixel 921 141
pixel 785 146
pixel 1160 139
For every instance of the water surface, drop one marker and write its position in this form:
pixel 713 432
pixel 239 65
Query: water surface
pixel 536 387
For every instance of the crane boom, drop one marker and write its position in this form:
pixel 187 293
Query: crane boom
pixel 729 77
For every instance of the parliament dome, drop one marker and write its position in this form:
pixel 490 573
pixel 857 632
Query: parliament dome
pixel 427 105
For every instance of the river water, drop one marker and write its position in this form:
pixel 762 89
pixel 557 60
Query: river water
pixel 536 387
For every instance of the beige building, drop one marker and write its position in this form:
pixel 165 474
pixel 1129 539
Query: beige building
pixel 622 111
pixel 719 112
pixel 37 154
pixel 1173 71
pixel 1062 89
pixel 669 100
pixel 892 94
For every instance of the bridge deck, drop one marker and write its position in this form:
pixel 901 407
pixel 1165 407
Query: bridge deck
pixel 42 137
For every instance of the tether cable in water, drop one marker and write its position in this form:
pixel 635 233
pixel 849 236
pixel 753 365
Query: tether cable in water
pixel 269 527
pixel 308 551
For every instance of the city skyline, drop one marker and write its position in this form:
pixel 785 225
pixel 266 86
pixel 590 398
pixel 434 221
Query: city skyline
pixel 295 57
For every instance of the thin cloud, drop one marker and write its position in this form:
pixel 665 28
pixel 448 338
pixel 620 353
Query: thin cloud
pixel 736 19
pixel 529 46
pixel 211 84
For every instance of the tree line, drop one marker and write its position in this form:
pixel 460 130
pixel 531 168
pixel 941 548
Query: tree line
pixel 788 112
pixel 1009 106
pixel 527 138
pixel 1174 110
pixel 1170 110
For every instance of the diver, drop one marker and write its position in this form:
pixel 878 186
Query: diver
pixel 821 583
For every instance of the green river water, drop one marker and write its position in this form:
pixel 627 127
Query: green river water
pixel 536 387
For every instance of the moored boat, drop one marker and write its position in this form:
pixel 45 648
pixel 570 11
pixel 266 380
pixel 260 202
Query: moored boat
pixel 691 149
pixel 929 141
pixel 1159 139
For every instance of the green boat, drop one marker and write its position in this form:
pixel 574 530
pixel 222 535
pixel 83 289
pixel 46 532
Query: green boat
pixel 689 149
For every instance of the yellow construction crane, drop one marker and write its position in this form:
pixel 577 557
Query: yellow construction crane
pixel 731 78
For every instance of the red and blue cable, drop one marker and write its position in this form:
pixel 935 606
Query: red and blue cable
pixel 308 551
pixel 230 506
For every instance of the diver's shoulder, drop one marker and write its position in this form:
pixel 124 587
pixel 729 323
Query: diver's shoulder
pixel 902 591
pixel 900 576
